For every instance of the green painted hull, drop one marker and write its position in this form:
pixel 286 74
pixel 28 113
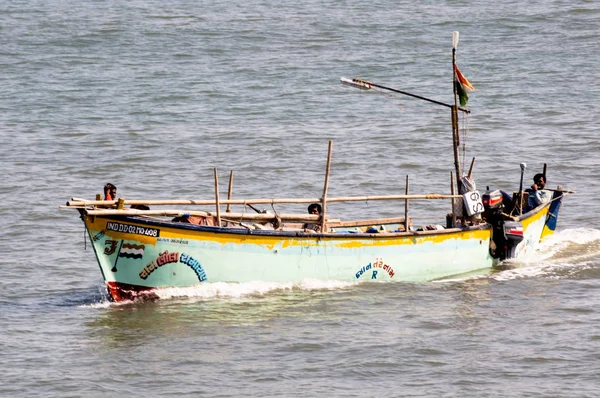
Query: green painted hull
pixel 137 254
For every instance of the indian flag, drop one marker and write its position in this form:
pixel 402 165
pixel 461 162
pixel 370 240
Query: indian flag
pixel 463 86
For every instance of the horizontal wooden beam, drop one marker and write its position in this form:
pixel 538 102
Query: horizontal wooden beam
pixel 83 203
pixel 314 218
pixel 364 223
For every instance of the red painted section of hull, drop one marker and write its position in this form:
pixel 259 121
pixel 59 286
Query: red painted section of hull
pixel 125 292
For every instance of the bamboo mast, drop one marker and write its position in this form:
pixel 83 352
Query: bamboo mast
pixel 455 129
pixel 325 187
pixel 454 111
pixel 217 197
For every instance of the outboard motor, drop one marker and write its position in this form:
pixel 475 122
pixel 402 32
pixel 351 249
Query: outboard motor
pixel 492 200
pixel 492 206
pixel 513 235
pixel 506 235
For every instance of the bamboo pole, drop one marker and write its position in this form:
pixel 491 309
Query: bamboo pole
pixel 83 203
pixel 453 201
pixel 406 206
pixel 313 218
pixel 544 172
pixel 325 187
pixel 471 168
pixel 217 197
pixel 363 223
pixel 559 190
pixel 366 85
pixel 454 113
pixel 230 191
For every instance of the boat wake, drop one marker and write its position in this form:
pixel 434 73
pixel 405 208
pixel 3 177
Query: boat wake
pixel 219 290
pixel 223 290
pixel 572 253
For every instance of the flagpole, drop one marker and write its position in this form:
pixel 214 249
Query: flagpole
pixel 455 132
pixel 454 112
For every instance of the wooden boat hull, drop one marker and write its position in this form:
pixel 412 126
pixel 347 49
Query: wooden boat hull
pixel 137 255
pixel 538 224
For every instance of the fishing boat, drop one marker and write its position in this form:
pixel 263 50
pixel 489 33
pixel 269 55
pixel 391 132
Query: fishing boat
pixel 145 245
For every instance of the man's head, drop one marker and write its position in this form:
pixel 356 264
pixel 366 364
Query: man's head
pixel 539 180
pixel 110 191
pixel 314 208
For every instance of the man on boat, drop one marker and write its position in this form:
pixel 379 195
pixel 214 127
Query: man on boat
pixel 315 209
pixel 537 194
pixel 110 191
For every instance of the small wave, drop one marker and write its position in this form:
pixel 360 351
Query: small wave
pixel 218 290
pixel 572 253
pixel 571 241
pixel 224 290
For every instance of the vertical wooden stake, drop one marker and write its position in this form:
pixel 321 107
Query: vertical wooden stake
pixel 544 172
pixel 453 192
pixel 120 204
pixel 324 197
pixel 471 168
pixel 406 207
pixel 217 197
pixel 98 197
pixel 230 191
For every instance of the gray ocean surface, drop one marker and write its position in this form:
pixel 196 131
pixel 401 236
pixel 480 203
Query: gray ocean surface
pixel 152 95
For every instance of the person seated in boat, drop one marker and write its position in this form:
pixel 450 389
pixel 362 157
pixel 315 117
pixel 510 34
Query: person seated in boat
pixel 536 193
pixel 110 191
pixel 316 209
pixel 140 207
pixel 196 220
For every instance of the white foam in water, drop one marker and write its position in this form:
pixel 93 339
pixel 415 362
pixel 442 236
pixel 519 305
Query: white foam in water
pixel 561 239
pixel 557 252
pixel 238 290
pixel 219 290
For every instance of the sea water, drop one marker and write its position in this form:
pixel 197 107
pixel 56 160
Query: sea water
pixel 152 96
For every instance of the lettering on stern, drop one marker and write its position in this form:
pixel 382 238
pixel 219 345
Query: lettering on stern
pixel 375 267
